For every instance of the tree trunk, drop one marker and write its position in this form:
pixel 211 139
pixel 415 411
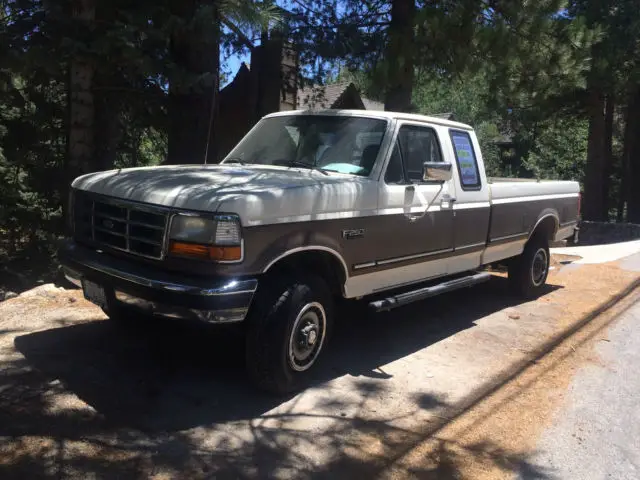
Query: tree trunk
pixel 195 53
pixel 593 189
pixel 107 99
pixel 211 148
pixel 632 150
pixel 629 132
pixel 81 107
pixel 400 56
pixel 80 128
pixel 624 173
pixel 608 154
pixel 107 125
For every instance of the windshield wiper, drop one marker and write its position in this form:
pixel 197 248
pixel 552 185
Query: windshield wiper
pixel 298 163
pixel 234 160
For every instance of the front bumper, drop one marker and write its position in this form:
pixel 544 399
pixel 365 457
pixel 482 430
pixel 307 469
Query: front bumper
pixel 167 294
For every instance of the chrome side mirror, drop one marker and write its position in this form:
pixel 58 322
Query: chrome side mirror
pixel 436 172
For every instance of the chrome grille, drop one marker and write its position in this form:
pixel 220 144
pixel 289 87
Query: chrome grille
pixel 125 226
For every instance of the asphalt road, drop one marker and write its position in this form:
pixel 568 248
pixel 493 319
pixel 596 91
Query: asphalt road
pixel 596 433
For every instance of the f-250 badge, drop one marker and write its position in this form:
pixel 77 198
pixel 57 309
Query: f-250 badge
pixel 350 234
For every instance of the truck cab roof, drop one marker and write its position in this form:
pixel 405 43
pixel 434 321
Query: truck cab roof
pixel 376 114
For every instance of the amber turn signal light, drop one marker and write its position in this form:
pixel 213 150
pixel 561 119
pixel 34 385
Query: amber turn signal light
pixel 205 252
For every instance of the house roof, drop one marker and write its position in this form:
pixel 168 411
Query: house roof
pixel 372 104
pixel 327 96
pixel 320 96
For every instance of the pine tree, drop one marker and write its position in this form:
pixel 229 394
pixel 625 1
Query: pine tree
pixel 194 52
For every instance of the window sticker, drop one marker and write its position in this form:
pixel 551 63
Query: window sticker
pixel 466 158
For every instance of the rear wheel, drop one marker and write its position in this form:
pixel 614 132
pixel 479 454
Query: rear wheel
pixel 528 272
pixel 288 327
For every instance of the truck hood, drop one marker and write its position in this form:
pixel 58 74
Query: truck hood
pixel 256 193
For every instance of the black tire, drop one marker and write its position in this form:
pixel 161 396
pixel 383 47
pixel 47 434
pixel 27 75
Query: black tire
pixel 528 272
pixel 275 362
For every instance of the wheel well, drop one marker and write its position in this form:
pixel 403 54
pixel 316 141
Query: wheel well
pixel 546 228
pixel 322 263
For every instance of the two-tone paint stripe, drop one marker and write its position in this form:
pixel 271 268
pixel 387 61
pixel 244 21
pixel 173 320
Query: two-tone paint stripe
pixel 533 198
pixel 506 238
pixel 408 210
pixel 416 256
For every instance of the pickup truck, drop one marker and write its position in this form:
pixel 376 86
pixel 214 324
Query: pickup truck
pixel 310 207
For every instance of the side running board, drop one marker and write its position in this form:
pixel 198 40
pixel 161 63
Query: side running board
pixel 426 292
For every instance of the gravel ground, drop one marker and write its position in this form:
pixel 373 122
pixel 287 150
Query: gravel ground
pixel 81 399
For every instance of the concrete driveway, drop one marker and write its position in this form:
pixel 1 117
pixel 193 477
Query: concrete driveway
pixel 80 398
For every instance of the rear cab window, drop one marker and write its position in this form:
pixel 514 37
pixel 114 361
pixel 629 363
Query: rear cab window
pixel 466 160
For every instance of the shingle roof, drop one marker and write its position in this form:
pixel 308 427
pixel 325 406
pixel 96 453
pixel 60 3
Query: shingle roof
pixel 372 104
pixel 321 96
pixel 326 96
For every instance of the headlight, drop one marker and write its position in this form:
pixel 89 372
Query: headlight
pixel 193 229
pixel 218 238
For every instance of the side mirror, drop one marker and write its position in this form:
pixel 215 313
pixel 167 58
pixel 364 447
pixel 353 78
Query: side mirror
pixel 436 172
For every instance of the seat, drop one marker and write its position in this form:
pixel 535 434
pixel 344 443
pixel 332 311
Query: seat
pixel 368 158
pixel 394 174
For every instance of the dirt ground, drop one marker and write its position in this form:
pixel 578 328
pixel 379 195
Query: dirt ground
pixel 511 417
pixel 459 386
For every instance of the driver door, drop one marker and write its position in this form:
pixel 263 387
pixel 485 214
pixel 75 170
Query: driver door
pixel 418 217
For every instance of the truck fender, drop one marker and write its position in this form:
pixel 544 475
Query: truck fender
pixel 283 249
pixel 544 220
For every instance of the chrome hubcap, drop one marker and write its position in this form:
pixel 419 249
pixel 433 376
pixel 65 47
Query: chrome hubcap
pixel 307 336
pixel 539 267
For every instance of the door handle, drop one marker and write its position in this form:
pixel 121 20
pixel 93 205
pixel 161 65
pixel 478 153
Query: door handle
pixel 447 199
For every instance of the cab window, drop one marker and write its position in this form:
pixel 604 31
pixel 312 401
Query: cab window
pixel 414 146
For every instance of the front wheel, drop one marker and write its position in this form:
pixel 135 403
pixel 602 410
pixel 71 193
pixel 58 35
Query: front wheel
pixel 288 327
pixel 528 272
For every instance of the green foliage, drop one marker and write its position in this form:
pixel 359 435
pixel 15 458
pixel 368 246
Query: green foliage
pixel 128 49
pixel 512 73
pixel 31 158
pixel 466 97
pixel 559 149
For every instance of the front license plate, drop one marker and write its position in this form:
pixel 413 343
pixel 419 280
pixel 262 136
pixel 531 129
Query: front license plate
pixel 94 293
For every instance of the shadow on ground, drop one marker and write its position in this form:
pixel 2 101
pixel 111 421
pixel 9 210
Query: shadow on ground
pixel 146 386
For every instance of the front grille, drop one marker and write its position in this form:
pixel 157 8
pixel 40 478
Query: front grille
pixel 125 226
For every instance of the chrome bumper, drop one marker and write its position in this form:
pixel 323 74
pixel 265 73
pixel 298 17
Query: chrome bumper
pixel 217 300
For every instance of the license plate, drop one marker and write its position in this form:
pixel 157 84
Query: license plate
pixel 94 293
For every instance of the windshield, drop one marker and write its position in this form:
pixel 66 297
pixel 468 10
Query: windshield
pixel 331 143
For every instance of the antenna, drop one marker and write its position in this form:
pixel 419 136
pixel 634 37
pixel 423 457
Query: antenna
pixel 213 103
pixel 214 96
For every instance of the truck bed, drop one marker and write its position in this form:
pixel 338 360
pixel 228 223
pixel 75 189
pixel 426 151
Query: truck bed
pixel 518 188
pixel 514 179
pixel 518 205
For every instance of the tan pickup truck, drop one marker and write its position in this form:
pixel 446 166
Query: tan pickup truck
pixel 310 207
